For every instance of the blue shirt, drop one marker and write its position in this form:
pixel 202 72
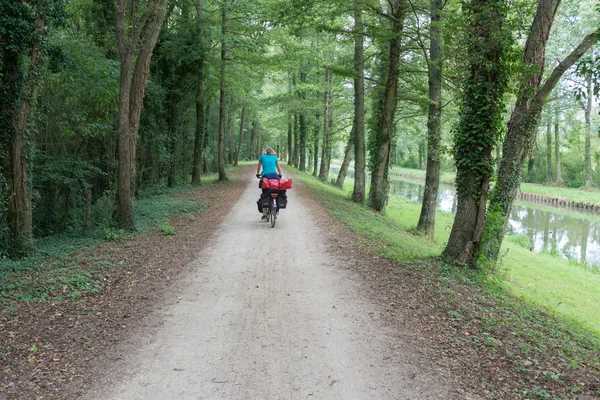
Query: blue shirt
pixel 269 164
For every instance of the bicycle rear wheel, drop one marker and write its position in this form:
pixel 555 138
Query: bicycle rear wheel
pixel 273 212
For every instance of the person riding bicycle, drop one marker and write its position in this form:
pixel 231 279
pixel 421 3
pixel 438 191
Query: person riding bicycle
pixel 270 168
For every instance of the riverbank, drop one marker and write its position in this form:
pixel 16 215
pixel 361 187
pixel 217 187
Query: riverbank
pixel 536 321
pixel 558 196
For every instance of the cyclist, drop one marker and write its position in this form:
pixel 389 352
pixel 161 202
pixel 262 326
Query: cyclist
pixel 270 169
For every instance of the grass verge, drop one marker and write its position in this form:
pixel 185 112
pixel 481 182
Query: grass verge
pixel 539 313
pixel 58 270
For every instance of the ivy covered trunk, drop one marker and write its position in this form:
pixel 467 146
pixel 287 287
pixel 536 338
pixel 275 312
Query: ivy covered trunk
pixel 18 93
pixel 358 192
pixel 426 223
pixel 384 132
pixel 347 158
pixel 523 124
pixel 324 169
pixel 480 124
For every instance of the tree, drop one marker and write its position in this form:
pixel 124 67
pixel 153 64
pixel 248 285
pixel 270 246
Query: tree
pixel 549 150
pixel 480 123
pixel 385 109
pixel 221 147
pixel 324 169
pixel 358 192
pixel 241 136
pixel 199 132
pixel 524 121
pixel 137 32
pixel 432 178
pixel 23 33
pixel 559 177
pixel 339 182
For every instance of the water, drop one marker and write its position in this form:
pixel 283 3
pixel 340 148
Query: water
pixel 572 235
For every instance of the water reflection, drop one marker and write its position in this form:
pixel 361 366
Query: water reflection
pixel 572 236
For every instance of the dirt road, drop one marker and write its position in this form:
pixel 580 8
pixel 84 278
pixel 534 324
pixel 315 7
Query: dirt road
pixel 268 314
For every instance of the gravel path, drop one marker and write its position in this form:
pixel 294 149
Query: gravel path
pixel 268 314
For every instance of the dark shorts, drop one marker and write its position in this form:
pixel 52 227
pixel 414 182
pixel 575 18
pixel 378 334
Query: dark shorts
pixel 272 176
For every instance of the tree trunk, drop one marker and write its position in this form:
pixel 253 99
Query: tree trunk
pixel 426 223
pixel 221 155
pixel 478 128
pixel 296 139
pixel 16 106
pixel 588 132
pixel 324 170
pixel 198 136
pixel 199 131
pixel 303 128
pixel 206 144
pixel 172 135
pixel 241 137
pixel 141 35
pixel 230 134
pixel 559 178
pixel 290 141
pixel 347 158
pixel 384 133
pixel 88 211
pixel 253 140
pixel 523 123
pixel 316 146
pixel 358 192
pixel 549 151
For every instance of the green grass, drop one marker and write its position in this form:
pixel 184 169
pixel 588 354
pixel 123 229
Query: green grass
pixel 560 286
pixel 535 307
pixel 578 195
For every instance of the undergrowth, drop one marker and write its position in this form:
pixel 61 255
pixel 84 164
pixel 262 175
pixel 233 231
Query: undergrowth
pixel 56 272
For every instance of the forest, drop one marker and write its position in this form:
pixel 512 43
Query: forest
pixel 106 102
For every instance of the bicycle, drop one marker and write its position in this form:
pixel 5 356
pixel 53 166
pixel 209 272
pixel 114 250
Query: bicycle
pixel 272 210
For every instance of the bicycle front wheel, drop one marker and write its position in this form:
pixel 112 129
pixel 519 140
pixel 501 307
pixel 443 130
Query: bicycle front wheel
pixel 273 212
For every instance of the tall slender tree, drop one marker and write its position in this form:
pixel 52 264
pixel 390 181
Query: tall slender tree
pixel 241 136
pixel 137 32
pixel 358 192
pixel 222 94
pixel 384 131
pixel 324 169
pixel 199 131
pixel 559 177
pixel 432 178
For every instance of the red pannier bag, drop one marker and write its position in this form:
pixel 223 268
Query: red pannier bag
pixel 270 184
pixel 285 184
pixel 276 184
